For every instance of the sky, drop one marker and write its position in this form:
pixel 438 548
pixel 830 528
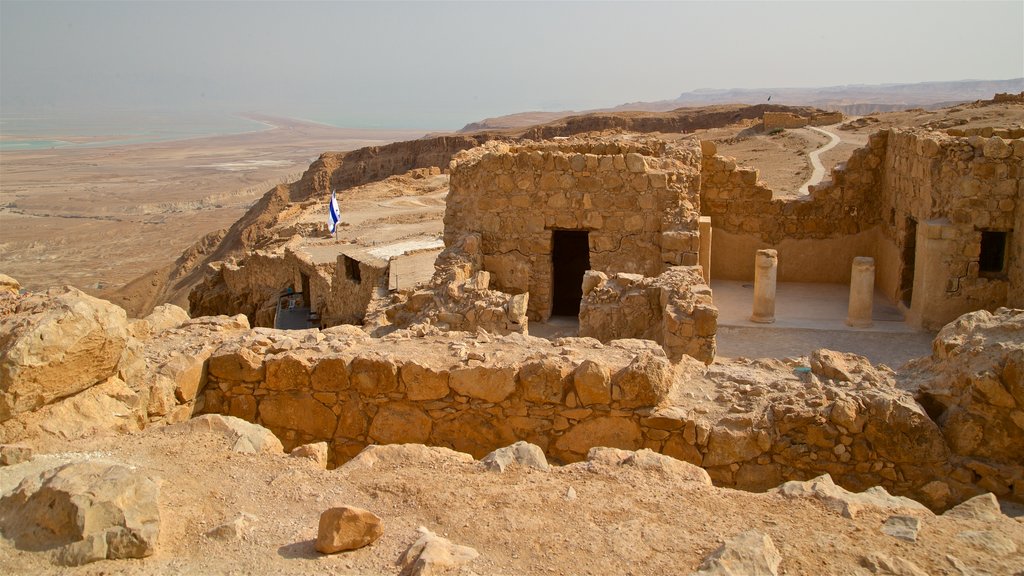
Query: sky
pixel 440 65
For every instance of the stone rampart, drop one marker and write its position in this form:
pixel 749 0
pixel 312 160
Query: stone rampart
pixel 750 424
pixel 471 394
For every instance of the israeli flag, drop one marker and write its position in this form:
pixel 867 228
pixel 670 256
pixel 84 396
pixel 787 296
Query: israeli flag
pixel 333 214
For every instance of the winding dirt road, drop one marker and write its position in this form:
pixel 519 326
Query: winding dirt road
pixel 819 170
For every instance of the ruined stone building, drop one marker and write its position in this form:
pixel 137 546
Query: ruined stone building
pixel 937 213
pixel 616 231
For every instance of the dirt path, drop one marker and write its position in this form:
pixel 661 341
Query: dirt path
pixel 815 157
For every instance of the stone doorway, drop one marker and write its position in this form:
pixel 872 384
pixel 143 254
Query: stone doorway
pixel 570 259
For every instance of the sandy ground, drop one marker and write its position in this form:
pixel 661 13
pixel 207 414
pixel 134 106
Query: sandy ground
pixel 101 216
pixel 781 158
pixel 576 519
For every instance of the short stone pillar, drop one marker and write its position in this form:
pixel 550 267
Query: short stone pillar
pixel 704 226
pixel 862 292
pixel 766 266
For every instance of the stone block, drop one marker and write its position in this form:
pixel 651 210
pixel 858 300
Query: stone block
pixel 400 424
pixel 373 376
pixel 485 383
pixel 592 382
pixel 424 383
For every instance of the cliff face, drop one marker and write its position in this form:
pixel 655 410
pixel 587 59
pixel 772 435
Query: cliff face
pixel 337 170
pixel 680 120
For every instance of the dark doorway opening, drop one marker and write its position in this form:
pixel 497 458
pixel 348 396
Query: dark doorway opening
pixel 909 253
pixel 992 260
pixel 570 259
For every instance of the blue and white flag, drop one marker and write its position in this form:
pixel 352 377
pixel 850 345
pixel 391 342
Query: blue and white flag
pixel 333 214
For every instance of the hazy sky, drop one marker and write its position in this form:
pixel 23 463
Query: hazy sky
pixel 440 65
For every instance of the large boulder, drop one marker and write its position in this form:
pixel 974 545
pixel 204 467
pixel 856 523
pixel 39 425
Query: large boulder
pixel 83 512
pixel 973 385
pixel 347 528
pixel 57 344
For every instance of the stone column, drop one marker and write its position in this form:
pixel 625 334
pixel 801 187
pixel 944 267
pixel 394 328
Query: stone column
pixel 766 266
pixel 862 292
pixel 704 224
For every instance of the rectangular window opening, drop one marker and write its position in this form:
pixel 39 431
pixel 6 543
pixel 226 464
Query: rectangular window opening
pixel 352 269
pixel 992 260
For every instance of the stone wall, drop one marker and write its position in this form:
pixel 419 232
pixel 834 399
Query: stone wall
pixel 777 120
pixel 750 424
pixel 673 309
pixel 746 218
pixel 472 394
pixel 954 188
pixel 636 198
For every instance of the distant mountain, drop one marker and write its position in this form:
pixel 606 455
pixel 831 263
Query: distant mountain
pixel 858 99
pixel 854 100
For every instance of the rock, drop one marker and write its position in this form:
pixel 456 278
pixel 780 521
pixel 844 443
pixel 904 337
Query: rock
pixel 592 382
pixel 996 147
pixel 840 366
pixel 316 453
pixel 750 553
pixel 400 455
pixel 235 363
pixel 234 529
pixel 990 542
pixel 521 453
pixel 601 431
pixel 84 511
pixel 347 528
pixel 57 344
pixel 163 317
pixel 404 423
pixel 432 554
pixel 647 459
pixel 11 454
pixel 847 503
pixel 110 406
pixel 984 507
pixel 9 285
pixel 244 437
pixel 973 386
pixel 645 382
pixel 886 565
pixel 902 527
pixel 485 383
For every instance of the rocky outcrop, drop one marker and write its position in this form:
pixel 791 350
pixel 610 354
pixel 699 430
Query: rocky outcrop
pixel 844 502
pixel 55 345
pixel 72 365
pixel 84 512
pixel 973 387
